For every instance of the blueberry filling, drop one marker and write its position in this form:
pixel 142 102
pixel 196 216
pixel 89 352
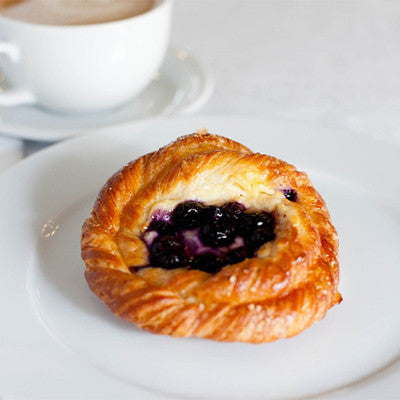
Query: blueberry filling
pixel 167 252
pixel 247 223
pixel 207 262
pixel 162 227
pixel 188 214
pixel 213 213
pixel 217 234
pixel 206 237
pixel 233 210
pixel 290 194
pixel 237 255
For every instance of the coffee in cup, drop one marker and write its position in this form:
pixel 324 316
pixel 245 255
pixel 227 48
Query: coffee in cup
pixel 73 12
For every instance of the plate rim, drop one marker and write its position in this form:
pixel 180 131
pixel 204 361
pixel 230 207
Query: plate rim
pixel 54 146
pixel 73 142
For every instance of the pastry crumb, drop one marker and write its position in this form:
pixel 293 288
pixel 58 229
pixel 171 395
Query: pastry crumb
pixel 202 131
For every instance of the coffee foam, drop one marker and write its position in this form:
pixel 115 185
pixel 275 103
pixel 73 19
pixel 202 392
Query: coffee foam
pixel 74 12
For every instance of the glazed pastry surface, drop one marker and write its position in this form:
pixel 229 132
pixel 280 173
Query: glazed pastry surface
pixel 284 287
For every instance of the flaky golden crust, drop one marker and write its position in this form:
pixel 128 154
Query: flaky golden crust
pixel 288 286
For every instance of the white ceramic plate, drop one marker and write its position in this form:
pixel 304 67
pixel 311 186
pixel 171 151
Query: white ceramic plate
pixel 181 86
pixel 57 339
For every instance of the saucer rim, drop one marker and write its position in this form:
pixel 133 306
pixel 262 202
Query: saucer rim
pixel 55 134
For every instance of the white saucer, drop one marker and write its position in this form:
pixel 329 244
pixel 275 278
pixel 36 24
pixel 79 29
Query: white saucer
pixel 182 86
pixel 58 339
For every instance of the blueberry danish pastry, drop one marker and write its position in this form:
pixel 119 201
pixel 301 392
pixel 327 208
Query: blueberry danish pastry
pixel 205 238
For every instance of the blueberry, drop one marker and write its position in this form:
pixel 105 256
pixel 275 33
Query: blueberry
pixel 167 252
pixel 245 223
pixel 249 222
pixel 258 237
pixel 237 255
pixel 233 210
pixel 265 220
pixel 216 234
pixel 161 227
pixel 290 194
pixel 188 215
pixel 213 213
pixel 207 262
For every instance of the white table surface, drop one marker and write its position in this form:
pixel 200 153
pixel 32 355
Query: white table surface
pixel 330 62
pixel 327 62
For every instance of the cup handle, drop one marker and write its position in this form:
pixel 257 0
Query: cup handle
pixel 13 96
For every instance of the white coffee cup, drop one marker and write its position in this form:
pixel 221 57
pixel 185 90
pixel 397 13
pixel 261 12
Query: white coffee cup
pixel 82 68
